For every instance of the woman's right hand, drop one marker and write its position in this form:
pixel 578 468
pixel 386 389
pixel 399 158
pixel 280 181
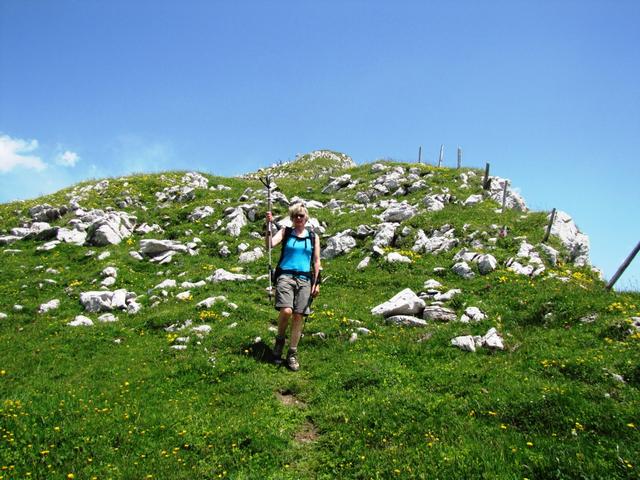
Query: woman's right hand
pixel 269 217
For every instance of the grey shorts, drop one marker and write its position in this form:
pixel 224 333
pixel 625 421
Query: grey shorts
pixel 293 293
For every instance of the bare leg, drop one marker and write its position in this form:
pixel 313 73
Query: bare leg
pixel 296 330
pixel 283 321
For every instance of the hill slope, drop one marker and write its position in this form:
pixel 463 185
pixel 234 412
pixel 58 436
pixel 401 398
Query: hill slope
pixel 168 388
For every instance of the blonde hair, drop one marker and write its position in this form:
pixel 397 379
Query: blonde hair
pixel 296 209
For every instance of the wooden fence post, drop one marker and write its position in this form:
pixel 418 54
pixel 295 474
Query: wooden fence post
pixel 441 157
pixel 551 220
pixel 485 182
pixel 504 195
pixel 623 267
pixel 459 157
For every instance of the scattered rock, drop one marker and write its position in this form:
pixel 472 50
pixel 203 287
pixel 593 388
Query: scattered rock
pixel 472 314
pixel 107 318
pixel 405 302
pixel 221 275
pixel 251 256
pixel 81 321
pixel 50 305
pixel 395 257
pixel 486 263
pixel 364 263
pixel 406 320
pixel 338 245
pixel 439 313
pixel 463 270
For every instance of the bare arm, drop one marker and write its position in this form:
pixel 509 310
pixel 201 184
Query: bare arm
pixel 275 239
pixel 316 266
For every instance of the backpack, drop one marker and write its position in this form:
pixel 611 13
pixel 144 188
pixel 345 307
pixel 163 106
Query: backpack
pixel 278 271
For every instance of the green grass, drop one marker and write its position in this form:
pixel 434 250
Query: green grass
pixel 398 403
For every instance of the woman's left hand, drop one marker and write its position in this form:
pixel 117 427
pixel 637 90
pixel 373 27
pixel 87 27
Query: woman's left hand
pixel 315 291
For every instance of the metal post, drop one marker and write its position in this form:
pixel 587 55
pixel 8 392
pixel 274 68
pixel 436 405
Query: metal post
pixel 459 157
pixel 485 182
pixel 623 267
pixel 420 155
pixel 441 157
pixel 551 220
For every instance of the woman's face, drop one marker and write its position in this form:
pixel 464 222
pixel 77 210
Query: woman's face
pixel 299 219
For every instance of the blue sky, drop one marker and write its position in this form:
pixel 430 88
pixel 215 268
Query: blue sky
pixel 547 91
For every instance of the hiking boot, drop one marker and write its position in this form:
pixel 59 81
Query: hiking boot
pixel 292 361
pixel 277 349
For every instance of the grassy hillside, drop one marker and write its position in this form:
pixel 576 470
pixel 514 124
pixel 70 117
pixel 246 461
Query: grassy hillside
pixel 115 400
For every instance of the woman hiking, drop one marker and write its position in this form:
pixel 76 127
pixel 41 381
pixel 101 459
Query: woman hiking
pixel 295 277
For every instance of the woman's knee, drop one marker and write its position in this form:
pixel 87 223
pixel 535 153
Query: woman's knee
pixel 286 311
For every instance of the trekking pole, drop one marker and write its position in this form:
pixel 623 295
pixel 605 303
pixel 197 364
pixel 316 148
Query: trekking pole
pixel 316 281
pixel 267 184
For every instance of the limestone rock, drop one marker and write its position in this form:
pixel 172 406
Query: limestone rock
pixel 364 263
pixel 338 245
pixel 81 321
pixel 463 270
pixel 395 257
pixel 406 321
pixel 486 263
pixel 405 302
pixel 472 314
pixel 237 221
pixel 513 199
pixel 385 234
pixel 445 297
pixel 337 184
pixel 221 275
pixel 493 340
pixel 168 283
pixel 439 313
pixel 50 305
pixel 432 283
pixel 111 229
pixel 441 240
pixel 398 213
pixel 473 200
pixel 107 318
pixel 251 256
pixel 465 342
pixel 200 212
pixel 209 302
pixel 576 243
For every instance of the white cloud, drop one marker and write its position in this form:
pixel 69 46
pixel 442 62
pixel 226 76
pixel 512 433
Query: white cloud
pixel 13 153
pixel 67 159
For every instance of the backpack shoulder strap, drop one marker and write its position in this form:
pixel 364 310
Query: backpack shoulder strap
pixel 285 238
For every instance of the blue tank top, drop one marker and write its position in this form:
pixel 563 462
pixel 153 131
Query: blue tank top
pixel 297 253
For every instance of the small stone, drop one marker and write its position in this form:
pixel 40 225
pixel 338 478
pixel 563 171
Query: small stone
pixel 406 321
pixel 50 305
pixel 465 342
pixel 81 321
pixel 364 263
pixel 107 318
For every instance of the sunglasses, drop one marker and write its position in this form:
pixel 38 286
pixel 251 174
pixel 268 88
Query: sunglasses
pixel 299 215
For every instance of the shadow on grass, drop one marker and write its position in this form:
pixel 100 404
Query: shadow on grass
pixel 260 352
